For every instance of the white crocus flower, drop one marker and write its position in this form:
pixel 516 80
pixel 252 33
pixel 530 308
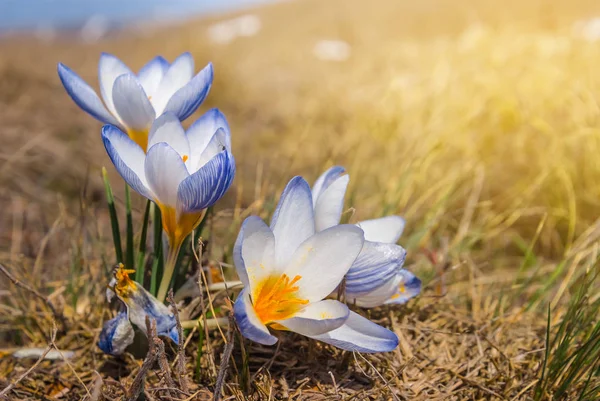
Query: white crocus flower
pixel 136 305
pixel 133 101
pixel 288 269
pixel 184 173
pixel 377 276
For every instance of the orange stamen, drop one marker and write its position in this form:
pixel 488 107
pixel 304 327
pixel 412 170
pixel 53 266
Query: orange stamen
pixel 124 284
pixel 276 298
pixel 185 158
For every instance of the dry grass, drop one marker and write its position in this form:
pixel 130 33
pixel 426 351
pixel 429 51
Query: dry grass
pixel 476 121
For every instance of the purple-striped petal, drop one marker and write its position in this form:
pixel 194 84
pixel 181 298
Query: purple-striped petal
pixel 206 186
pixel 83 95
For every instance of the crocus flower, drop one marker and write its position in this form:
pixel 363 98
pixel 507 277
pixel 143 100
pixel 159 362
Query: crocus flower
pixel 377 276
pixel 288 269
pixel 131 101
pixel 184 173
pixel 117 333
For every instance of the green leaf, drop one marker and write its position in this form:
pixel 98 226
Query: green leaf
pixel 114 220
pixel 139 272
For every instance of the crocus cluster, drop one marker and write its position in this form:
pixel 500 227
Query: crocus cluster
pixel 291 270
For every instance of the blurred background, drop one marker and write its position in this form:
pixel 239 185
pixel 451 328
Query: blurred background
pixel 430 104
pixel 473 120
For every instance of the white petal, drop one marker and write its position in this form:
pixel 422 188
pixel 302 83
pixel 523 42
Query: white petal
pixel 254 252
pixel 385 229
pixel 216 145
pixel 128 159
pixel 378 296
pixel 109 69
pixel 132 104
pixel 116 335
pixel 248 323
pixel 168 129
pixel 187 99
pixel 178 74
pixel 293 220
pixel 317 318
pixel 142 304
pixel 152 73
pixel 325 180
pixel 323 260
pixel 164 171
pixel 330 204
pixel 376 263
pixel 202 131
pixel 361 335
pixel 408 287
pixel 83 95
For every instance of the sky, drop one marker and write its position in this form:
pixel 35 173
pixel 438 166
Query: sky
pixel 35 14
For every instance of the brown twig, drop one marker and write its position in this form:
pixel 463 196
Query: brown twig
pixel 4 393
pixel 224 360
pixel 180 367
pixel 163 363
pixel 137 386
pixel 57 315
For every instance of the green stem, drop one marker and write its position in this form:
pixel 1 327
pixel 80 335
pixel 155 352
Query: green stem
pixel 168 271
pixel 139 273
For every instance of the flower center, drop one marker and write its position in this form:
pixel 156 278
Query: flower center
pixel 184 158
pixel 277 298
pixel 139 137
pixel 124 284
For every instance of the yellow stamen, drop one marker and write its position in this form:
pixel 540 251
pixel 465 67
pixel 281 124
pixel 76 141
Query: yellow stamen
pixel 277 299
pixel 185 158
pixel 124 285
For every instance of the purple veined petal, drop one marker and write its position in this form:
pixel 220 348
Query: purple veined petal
pixel 187 99
pixel 131 103
pixel 84 96
pixel 116 335
pixel 361 335
pixel 408 286
pixel 142 304
pixel 376 263
pixel 249 324
pixel 385 229
pixel 321 261
pixel 377 296
pixel 325 180
pixel 293 221
pixel 179 73
pixel 109 69
pixel 317 318
pixel 152 74
pixel 206 186
pixel 330 204
pixel 165 170
pixel 254 251
pixel 216 145
pixel 203 129
pixel 128 158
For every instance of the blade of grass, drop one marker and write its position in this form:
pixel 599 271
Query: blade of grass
pixel 129 251
pixel 114 220
pixel 139 272
pixel 158 264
